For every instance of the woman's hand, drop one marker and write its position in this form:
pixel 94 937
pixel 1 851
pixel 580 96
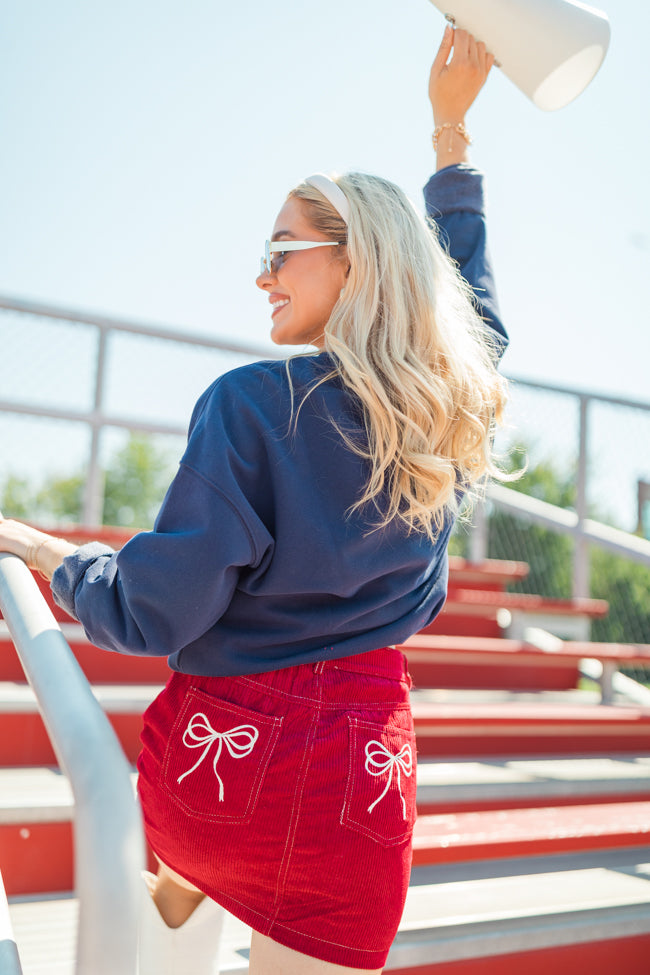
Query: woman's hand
pixel 19 539
pixel 38 549
pixel 453 87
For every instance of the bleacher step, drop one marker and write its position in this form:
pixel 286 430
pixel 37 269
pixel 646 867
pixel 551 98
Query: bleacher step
pixel 445 922
pixel 36 794
pixel 501 783
pixel 526 832
pixel 36 813
pixel 547 663
pixel 24 739
pixel 99 666
pixel 119 698
pixel 446 730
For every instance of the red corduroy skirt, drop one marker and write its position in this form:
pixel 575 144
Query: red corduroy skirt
pixel 289 798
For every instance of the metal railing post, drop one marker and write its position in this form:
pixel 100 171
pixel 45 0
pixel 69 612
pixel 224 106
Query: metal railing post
pixel 581 546
pixel 108 834
pixel 93 500
pixel 478 539
pixel 643 501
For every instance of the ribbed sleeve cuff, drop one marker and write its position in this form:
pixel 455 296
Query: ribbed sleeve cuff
pixel 455 189
pixel 72 570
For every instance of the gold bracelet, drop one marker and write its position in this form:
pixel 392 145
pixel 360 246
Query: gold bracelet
pixel 32 556
pixel 458 127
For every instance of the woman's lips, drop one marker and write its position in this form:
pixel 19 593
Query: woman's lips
pixel 277 303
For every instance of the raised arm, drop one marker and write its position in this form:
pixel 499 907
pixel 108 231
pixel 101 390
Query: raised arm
pixel 454 196
pixel 454 83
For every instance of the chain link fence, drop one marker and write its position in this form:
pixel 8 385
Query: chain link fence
pixel 93 415
pixel 75 392
pixel 543 435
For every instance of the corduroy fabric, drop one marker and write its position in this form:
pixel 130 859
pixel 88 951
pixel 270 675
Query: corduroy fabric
pixel 289 798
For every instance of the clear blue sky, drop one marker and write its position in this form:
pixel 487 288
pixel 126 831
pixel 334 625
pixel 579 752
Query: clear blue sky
pixel 148 146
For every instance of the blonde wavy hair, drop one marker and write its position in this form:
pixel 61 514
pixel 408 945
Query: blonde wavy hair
pixel 407 341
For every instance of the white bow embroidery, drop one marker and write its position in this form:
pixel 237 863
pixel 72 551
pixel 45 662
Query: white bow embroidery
pixel 380 760
pixel 240 742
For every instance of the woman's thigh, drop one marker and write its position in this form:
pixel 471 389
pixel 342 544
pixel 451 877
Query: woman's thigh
pixel 169 874
pixel 270 958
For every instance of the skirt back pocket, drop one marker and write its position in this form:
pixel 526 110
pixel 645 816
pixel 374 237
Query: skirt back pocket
pixel 216 758
pixel 381 785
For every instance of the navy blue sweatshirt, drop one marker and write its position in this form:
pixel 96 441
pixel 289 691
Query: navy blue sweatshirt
pixel 254 562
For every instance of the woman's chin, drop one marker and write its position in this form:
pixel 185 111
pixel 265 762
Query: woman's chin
pixel 278 337
pixel 282 333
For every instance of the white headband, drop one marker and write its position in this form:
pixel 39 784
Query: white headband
pixel 332 192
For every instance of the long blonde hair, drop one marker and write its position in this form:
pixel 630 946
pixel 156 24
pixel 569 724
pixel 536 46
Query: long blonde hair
pixel 406 339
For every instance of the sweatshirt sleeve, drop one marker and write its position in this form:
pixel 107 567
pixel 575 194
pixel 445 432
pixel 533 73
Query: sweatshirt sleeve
pixel 455 202
pixel 167 587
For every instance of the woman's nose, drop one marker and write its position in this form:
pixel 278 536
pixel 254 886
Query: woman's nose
pixel 263 279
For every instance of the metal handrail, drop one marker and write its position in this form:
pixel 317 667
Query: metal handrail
pixel 569 522
pixel 108 834
pixel 9 959
pixel 108 324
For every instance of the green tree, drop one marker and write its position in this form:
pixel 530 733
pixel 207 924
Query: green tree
pixel 61 499
pixel 548 554
pixel 623 583
pixel 626 586
pixel 18 499
pixel 135 481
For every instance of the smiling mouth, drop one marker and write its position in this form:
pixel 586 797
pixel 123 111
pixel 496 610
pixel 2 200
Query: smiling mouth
pixel 277 305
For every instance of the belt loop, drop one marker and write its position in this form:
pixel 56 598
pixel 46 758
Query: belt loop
pixel 407 676
pixel 319 666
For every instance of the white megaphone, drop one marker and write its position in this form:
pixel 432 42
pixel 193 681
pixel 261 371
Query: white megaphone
pixel 550 49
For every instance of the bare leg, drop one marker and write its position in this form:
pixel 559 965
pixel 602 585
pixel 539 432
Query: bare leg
pixel 180 928
pixel 175 898
pixel 269 958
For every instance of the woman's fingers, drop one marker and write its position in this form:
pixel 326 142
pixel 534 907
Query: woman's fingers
pixel 485 59
pixel 442 56
pixel 463 42
pixel 468 49
pixel 458 73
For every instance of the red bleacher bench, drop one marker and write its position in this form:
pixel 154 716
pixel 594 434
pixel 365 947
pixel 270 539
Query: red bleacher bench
pixel 454 730
pixel 483 600
pixel 491 574
pixel 529 832
pixel 484 612
pixel 437 660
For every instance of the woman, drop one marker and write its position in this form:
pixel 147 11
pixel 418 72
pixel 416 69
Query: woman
pixel 304 535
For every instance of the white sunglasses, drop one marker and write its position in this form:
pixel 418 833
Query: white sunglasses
pixel 271 265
